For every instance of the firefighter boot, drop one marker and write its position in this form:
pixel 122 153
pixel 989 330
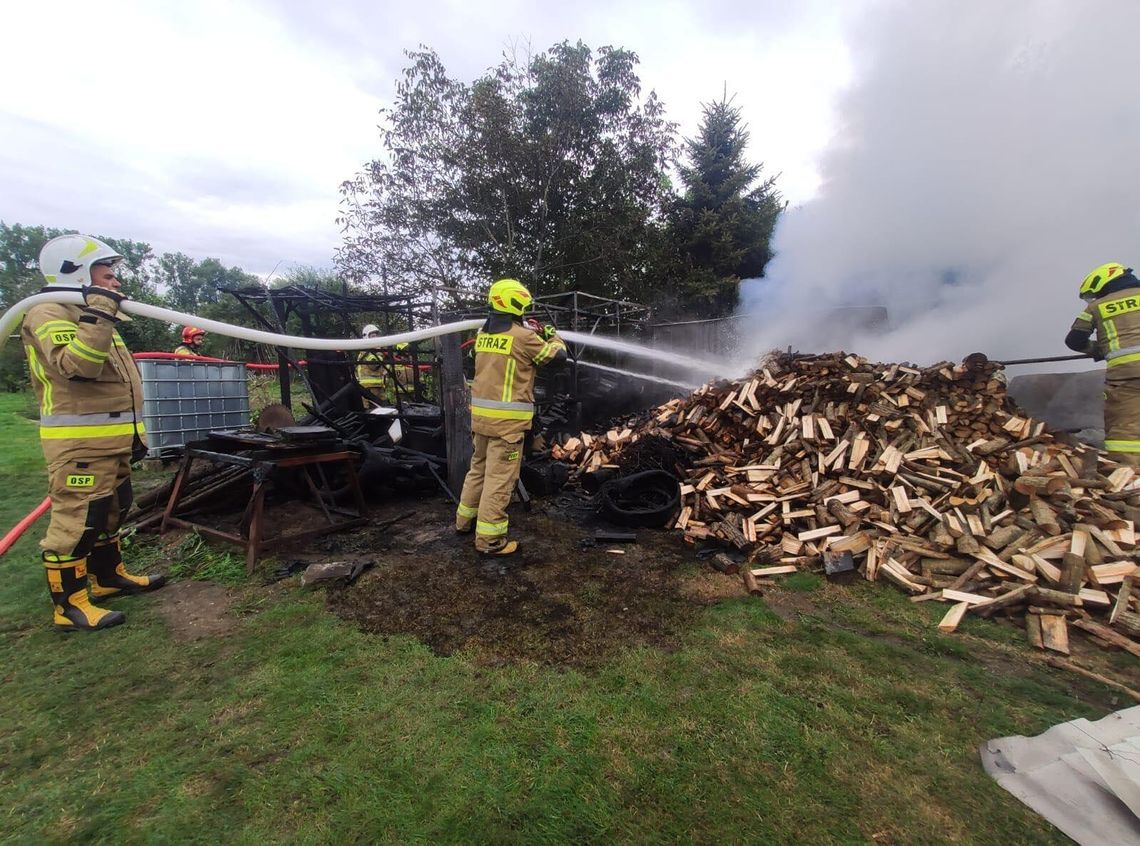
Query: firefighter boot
pixel 67 582
pixel 109 577
pixel 507 548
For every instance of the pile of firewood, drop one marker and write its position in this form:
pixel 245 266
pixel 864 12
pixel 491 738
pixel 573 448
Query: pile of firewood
pixel 928 478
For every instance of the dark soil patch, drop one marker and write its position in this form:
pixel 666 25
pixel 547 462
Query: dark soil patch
pixel 196 610
pixel 559 601
pixel 790 605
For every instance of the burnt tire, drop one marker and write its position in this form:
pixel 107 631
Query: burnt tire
pixel 644 499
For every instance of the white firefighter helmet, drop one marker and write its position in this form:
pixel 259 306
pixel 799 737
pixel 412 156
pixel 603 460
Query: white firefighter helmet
pixel 66 261
pixel 369 330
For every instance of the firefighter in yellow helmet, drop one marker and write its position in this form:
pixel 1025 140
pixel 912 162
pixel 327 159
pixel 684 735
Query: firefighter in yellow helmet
pixel 1113 314
pixel 403 362
pixel 507 354
pixel 91 427
pixel 192 338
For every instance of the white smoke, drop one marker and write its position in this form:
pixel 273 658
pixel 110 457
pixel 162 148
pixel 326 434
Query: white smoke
pixel 987 157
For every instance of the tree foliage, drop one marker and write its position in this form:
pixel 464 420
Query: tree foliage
pixel 173 280
pixel 192 285
pixel 548 167
pixel 722 225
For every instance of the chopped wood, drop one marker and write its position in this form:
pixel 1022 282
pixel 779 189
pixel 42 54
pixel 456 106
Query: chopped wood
pixel 1122 599
pixel 1054 633
pixel 967 598
pixel 1055 597
pixel 953 617
pixel 775 571
pixel 819 533
pixel 1111 574
pixel 902 501
pixel 1006 599
pixel 929 477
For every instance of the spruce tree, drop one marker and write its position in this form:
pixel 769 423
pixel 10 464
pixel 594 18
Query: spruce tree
pixel 722 225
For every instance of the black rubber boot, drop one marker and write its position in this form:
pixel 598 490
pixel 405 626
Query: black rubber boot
pixel 67 582
pixel 109 577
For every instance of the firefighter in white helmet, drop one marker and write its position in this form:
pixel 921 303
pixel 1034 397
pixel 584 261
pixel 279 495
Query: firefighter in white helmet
pixel 507 354
pixel 91 427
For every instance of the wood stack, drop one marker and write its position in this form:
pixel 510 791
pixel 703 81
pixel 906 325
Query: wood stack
pixel 929 477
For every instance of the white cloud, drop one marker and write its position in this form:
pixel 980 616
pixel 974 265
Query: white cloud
pixel 225 128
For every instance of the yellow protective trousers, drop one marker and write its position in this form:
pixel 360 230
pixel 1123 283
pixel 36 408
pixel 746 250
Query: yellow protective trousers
pixel 488 487
pixel 1122 421
pixel 90 497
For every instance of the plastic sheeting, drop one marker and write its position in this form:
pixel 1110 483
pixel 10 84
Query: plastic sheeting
pixel 1084 777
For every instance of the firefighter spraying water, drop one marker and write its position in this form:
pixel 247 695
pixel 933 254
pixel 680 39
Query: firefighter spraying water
pixel 507 354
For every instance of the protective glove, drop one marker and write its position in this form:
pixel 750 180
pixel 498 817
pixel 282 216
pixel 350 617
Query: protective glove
pixel 547 332
pixel 103 301
pixel 1097 355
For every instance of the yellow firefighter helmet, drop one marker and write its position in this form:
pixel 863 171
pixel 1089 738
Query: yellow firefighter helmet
pixel 510 296
pixel 1096 280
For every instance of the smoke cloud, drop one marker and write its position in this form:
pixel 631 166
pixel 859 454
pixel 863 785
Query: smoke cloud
pixel 987 157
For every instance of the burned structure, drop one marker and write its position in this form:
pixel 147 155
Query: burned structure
pixel 412 437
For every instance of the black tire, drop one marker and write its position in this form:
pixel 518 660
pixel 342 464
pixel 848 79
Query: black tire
pixel 644 499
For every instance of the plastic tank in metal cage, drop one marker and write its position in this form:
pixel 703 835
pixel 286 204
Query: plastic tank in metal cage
pixel 183 399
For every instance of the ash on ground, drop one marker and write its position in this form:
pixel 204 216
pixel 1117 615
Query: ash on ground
pixel 565 600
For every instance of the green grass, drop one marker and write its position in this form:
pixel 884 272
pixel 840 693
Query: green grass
pixel 853 722
pixel 191 558
pixel 803 582
pixel 265 390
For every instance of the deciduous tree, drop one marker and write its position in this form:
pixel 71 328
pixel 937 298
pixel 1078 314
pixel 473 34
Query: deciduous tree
pixel 549 168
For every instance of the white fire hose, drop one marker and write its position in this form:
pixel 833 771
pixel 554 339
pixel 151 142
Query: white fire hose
pixel 12 317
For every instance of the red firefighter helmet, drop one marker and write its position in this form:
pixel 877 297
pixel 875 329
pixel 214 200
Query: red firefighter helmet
pixel 189 333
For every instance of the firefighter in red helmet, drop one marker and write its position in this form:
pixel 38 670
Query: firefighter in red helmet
pixel 192 338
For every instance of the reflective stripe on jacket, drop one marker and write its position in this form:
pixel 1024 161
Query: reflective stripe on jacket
pixel 370 373
pixel 502 395
pixel 86 382
pixel 1115 318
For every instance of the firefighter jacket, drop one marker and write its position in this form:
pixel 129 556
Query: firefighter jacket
pixel 502 395
pixel 1115 318
pixel 87 383
pixel 183 349
pixel 370 373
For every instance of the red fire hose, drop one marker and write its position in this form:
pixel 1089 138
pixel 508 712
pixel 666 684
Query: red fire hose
pixel 165 356
pixel 14 535
pixel 249 365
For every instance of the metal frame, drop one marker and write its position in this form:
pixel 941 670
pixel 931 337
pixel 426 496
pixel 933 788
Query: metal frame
pixel 252 529
pixel 396 312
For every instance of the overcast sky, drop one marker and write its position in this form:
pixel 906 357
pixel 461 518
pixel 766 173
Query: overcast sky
pixel 224 128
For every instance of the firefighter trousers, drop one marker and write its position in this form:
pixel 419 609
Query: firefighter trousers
pixel 1122 421
pixel 488 487
pixel 90 497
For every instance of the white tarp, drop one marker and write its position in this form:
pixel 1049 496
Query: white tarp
pixel 1084 777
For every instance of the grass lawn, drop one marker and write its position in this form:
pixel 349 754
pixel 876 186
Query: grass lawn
pixel 851 720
